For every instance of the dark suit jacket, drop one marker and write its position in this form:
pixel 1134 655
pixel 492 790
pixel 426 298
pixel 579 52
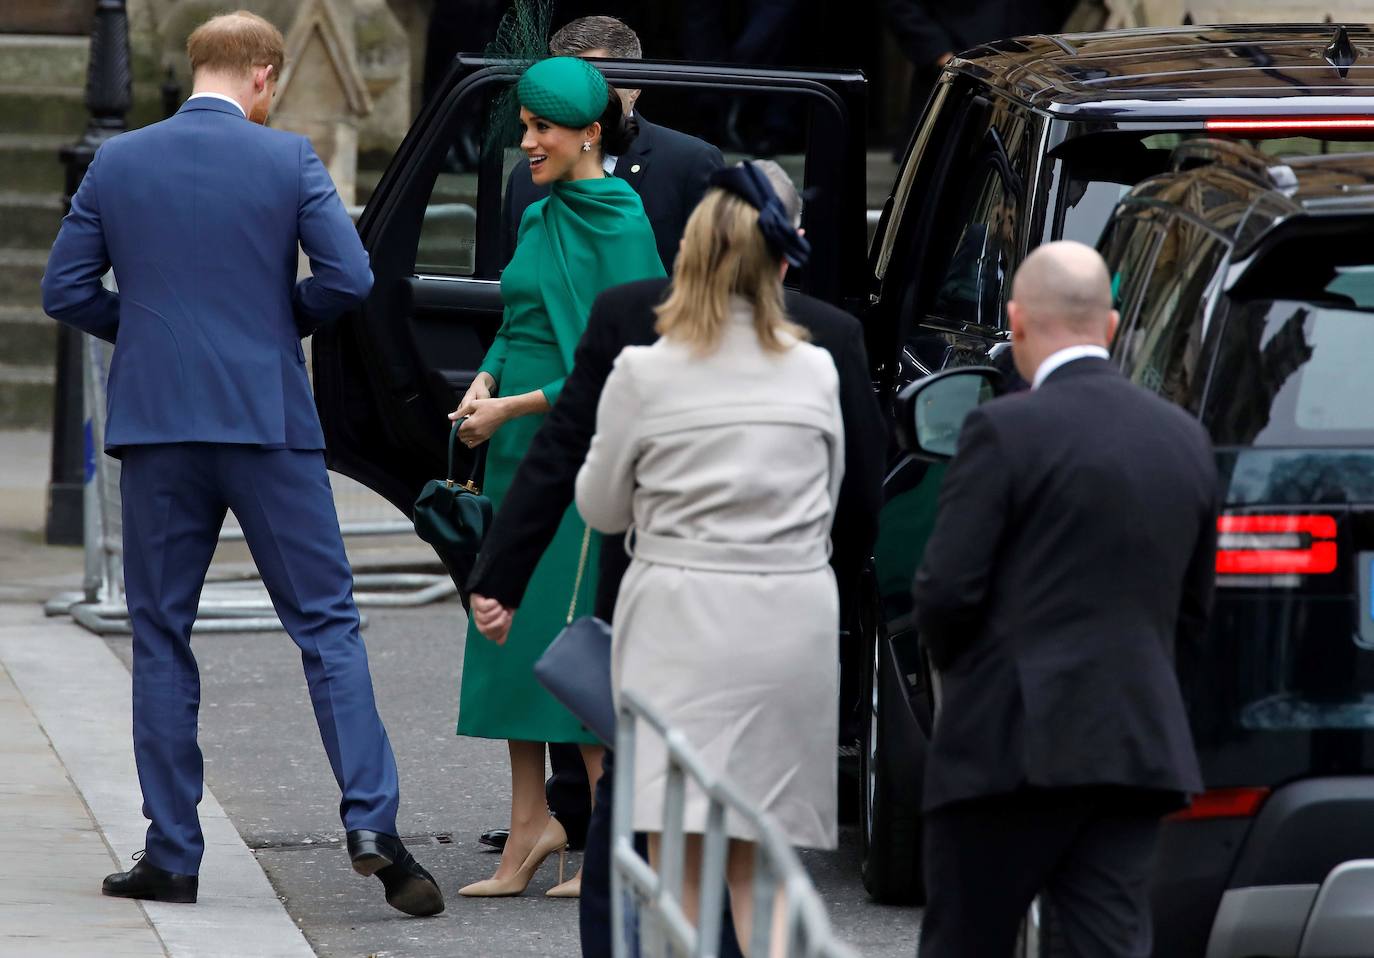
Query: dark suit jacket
pixel 927 29
pixel 543 487
pixel 667 169
pixel 1074 547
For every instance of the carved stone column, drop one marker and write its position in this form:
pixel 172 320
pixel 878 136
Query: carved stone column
pixel 322 93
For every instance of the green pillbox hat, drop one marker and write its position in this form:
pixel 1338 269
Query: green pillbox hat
pixel 566 90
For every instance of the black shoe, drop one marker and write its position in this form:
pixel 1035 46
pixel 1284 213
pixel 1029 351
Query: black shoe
pixel 496 838
pixel 370 851
pixel 145 880
pixel 409 888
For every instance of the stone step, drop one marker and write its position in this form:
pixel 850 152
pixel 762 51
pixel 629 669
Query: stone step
pixel 26 397
pixel 62 110
pixel 30 220
pixel 21 276
pixel 27 337
pixel 27 60
pixel 30 162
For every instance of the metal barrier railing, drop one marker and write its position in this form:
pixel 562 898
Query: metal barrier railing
pixel 658 926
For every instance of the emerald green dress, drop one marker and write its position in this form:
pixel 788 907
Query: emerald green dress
pixel 586 236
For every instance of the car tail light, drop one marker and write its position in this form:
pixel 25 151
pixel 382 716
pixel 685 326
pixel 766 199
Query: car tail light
pixel 1223 803
pixel 1275 545
pixel 1292 124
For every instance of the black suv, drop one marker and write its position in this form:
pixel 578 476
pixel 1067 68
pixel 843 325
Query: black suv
pixel 1246 290
pixel 1023 141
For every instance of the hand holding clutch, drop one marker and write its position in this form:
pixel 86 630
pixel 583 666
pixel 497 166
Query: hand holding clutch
pixel 486 416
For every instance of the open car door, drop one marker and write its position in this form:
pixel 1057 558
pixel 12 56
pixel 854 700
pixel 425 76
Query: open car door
pixel 387 375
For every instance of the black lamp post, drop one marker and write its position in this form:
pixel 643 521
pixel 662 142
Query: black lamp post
pixel 109 96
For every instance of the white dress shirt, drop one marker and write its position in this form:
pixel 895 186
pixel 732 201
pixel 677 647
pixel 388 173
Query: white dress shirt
pixel 219 96
pixel 1064 357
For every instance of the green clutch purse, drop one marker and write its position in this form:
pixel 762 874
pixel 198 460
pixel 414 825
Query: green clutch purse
pixel 453 516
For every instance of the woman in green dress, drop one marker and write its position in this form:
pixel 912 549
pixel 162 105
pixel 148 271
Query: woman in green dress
pixel 589 234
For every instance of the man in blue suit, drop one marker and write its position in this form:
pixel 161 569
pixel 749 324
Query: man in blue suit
pixel 210 409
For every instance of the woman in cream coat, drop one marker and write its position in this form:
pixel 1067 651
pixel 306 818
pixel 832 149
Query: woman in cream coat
pixel 721 448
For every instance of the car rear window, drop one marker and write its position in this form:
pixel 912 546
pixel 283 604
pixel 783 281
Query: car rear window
pixel 1101 168
pixel 1293 363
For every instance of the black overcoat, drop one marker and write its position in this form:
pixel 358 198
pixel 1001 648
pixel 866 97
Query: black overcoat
pixel 1072 556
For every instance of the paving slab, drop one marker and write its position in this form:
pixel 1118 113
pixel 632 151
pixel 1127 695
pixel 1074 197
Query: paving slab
pixel 52 905
pixel 79 693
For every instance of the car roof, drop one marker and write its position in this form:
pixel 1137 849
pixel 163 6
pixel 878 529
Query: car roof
pixel 1280 70
pixel 1244 194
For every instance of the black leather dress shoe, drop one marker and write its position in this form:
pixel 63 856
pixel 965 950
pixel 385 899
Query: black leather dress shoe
pixel 576 829
pixel 369 850
pixel 496 838
pixel 409 888
pixel 145 880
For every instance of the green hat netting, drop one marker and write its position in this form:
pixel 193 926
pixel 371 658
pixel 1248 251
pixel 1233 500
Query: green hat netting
pixel 521 40
pixel 566 90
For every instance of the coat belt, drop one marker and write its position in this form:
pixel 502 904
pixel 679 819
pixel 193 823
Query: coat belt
pixel 751 557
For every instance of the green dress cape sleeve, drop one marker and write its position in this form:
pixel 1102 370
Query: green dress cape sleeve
pixel 596 236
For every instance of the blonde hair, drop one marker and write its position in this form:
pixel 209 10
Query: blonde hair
pixel 235 43
pixel 724 254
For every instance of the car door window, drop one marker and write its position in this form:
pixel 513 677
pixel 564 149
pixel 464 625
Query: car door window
pixel 970 291
pixel 948 270
pixel 1129 247
pixel 448 236
pixel 1164 342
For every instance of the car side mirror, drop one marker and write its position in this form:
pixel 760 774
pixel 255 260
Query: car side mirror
pixel 931 411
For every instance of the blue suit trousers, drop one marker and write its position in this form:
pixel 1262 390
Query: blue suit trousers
pixel 175 497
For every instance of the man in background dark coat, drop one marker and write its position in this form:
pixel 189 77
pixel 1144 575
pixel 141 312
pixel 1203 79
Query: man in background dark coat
pixel 667 169
pixel 543 488
pixel 1073 551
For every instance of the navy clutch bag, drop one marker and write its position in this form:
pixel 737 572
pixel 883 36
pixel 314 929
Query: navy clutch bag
pixel 576 667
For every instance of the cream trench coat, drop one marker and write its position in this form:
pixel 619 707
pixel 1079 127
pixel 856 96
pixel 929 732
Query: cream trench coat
pixel 726 468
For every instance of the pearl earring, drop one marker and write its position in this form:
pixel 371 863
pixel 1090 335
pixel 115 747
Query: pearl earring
pixel 586 146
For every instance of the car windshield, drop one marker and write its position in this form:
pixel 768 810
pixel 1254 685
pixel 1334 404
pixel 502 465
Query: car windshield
pixel 1292 366
pixel 1101 168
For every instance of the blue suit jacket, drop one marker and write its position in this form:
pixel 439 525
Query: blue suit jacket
pixel 200 216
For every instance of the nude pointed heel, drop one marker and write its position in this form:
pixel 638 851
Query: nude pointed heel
pixel 572 888
pixel 554 839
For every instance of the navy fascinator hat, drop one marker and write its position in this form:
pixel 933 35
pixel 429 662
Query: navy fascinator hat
pixel 747 182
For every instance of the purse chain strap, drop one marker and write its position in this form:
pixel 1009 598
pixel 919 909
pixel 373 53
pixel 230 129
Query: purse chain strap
pixel 581 570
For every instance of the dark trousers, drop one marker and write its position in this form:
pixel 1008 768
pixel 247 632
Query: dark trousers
pixel 174 502
pixel 567 791
pixel 594 908
pixel 1088 850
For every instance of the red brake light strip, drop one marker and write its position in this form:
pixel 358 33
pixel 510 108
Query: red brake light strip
pixel 1276 545
pixel 1295 124
pixel 1223 803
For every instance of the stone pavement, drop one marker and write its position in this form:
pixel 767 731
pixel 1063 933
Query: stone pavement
pixel 41 906
pixel 71 790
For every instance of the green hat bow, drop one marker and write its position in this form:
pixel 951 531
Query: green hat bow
pixel 566 90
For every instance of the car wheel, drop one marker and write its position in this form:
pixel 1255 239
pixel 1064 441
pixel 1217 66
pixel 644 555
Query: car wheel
pixel 890 784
